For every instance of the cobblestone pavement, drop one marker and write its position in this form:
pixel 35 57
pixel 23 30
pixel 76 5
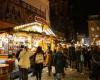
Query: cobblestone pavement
pixel 70 74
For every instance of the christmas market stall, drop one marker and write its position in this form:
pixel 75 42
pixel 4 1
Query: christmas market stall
pixel 32 35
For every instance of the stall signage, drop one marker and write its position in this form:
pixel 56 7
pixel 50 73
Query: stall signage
pixel 40 20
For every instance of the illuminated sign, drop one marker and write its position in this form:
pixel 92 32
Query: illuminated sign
pixel 40 20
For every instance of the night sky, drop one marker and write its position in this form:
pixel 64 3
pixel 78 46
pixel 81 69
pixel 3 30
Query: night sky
pixel 80 9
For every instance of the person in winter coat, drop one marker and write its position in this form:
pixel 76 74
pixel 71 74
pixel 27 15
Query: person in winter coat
pixel 39 61
pixel 24 63
pixel 78 53
pixel 49 60
pixel 72 56
pixel 18 52
pixel 59 62
pixel 96 63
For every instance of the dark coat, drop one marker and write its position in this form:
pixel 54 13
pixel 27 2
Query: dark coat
pixel 58 62
pixel 96 63
pixel 72 54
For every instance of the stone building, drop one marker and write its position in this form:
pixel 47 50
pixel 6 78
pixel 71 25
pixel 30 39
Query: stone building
pixel 94 29
pixel 17 12
pixel 42 5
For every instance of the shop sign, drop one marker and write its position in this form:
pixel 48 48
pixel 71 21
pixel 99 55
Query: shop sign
pixel 41 20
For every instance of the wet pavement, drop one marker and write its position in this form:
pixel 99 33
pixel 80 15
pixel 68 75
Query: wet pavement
pixel 70 74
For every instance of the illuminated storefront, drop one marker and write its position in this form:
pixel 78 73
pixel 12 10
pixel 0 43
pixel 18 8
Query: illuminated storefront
pixel 32 35
pixel 41 34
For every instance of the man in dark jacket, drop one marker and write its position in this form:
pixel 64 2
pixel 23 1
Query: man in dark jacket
pixel 72 56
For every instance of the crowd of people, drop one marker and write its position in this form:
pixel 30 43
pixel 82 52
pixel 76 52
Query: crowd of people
pixel 79 58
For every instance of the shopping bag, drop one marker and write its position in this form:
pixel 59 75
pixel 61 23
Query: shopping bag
pixel 53 70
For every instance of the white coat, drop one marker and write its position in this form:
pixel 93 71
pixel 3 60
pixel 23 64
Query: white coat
pixel 24 61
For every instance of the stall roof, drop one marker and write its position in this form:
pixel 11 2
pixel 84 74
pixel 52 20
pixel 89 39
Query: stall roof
pixel 35 27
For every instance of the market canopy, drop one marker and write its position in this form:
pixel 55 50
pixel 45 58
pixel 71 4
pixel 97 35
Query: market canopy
pixel 35 27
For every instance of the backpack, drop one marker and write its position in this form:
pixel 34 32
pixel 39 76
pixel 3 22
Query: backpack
pixel 39 58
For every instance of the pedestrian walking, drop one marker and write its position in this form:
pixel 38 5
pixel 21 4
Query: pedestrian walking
pixel 39 61
pixel 58 63
pixel 24 63
pixel 20 49
pixel 96 64
pixel 49 60
pixel 72 56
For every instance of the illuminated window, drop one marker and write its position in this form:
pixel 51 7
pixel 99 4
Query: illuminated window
pixel 98 28
pixel 96 35
pixel 92 29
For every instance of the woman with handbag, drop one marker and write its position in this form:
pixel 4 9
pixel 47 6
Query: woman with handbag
pixel 39 60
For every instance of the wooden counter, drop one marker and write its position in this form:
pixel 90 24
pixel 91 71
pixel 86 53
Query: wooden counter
pixel 3 65
pixel 4 71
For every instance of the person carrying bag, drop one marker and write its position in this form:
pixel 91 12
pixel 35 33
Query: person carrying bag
pixel 39 61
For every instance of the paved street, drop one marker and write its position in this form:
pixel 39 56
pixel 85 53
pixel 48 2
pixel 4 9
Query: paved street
pixel 71 74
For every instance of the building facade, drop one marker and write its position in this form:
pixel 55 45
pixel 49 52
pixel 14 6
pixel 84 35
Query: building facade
pixel 59 17
pixel 94 29
pixel 42 5
pixel 17 12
